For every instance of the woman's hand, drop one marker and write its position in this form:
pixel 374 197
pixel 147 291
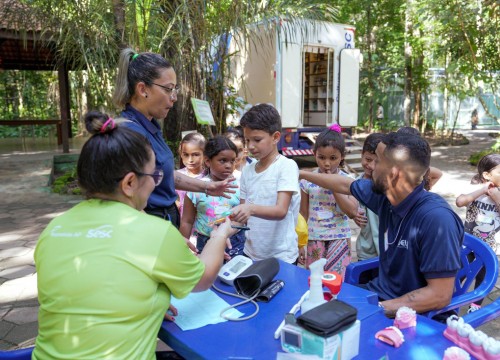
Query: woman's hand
pixel 224 230
pixel 221 188
pixel 171 310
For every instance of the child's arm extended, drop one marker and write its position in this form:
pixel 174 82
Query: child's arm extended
pixel 348 204
pixel 466 199
pixel 242 212
pixel 187 221
pixel 304 204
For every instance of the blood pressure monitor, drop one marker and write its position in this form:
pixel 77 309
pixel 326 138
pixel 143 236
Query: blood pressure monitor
pixel 232 269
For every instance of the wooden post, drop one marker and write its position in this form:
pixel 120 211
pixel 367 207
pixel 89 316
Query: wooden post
pixel 64 106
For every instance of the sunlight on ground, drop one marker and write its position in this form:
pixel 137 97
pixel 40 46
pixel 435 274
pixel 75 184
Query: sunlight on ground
pixel 10 236
pixel 21 289
pixel 52 215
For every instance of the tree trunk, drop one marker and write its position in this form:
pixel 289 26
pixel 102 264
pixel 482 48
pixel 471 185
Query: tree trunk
pixel 120 26
pixel 369 65
pixel 445 95
pixel 408 62
pixel 417 98
pixel 418 87
pixel 455 120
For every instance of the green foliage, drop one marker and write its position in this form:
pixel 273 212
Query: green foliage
pixel 495 148
pixel 474 158
pixel 28 95
pixel 460 36
pixel 27 131
pixel 67 184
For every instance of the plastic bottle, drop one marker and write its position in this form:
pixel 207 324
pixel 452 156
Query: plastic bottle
pixel 316 286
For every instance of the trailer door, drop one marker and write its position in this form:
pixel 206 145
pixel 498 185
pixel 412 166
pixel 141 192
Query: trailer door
pixel 349 86
pixel 290 84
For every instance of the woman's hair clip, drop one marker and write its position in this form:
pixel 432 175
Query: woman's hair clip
pixel 105 125
pixel 336 128
pixel 135 56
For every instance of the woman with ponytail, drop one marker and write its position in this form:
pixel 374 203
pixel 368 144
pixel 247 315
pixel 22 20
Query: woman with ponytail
pixel 146 88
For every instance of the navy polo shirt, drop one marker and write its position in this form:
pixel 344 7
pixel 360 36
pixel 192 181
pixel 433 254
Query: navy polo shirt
pixel 163 195
pixel 419 239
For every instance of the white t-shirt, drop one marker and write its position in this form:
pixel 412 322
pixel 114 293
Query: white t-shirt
pixel 272 238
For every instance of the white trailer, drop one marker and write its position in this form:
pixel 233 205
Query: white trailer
pixel 309 70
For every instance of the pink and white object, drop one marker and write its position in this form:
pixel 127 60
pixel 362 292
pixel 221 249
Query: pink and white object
pixel 451 331
pixel 463 335
pixel 455 353
pixel 476 340
pixel 491 349
pixel 476 343
pixel 391 335
pixel 405 317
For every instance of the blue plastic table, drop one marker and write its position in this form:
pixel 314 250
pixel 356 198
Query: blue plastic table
pixel 253 339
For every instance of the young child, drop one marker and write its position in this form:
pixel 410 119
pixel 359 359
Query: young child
pixel 201 209
pixel 325 212
pixel 482 218
pixel 236 136
pixel 367 246
pixel 191 150
pixel 270 197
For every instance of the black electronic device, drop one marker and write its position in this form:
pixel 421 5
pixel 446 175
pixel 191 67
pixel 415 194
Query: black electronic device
pixel 270 290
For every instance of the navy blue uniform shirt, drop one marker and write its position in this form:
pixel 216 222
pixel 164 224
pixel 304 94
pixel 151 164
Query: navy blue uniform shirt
pixel 419 239
pixel 164 194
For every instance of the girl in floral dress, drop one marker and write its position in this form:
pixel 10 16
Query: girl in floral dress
pixel 326 212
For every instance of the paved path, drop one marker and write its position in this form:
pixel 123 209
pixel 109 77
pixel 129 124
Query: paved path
pixel 27 206
pixel 25 210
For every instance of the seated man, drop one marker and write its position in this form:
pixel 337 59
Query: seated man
pixel 420 236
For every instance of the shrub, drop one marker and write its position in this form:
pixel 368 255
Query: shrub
pixel 67 184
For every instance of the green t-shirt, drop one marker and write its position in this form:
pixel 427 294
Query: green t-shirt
pixel 105 275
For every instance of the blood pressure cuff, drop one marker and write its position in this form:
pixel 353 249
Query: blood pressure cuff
pixel 256 277
pixel 329 318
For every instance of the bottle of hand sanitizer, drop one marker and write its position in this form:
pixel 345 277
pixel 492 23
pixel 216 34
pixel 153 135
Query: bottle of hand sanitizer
pixel 316 286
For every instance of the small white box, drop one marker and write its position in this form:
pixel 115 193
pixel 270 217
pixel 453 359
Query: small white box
pixel 341 346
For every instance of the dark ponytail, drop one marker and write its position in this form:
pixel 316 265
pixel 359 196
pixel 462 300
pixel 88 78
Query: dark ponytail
pixel 111 152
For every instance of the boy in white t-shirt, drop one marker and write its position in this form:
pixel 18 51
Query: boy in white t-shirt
pixel 270 193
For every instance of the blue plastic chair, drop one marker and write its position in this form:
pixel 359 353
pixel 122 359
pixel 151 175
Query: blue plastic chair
pixel 21 354
pixel 484 256
pixel 483 315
